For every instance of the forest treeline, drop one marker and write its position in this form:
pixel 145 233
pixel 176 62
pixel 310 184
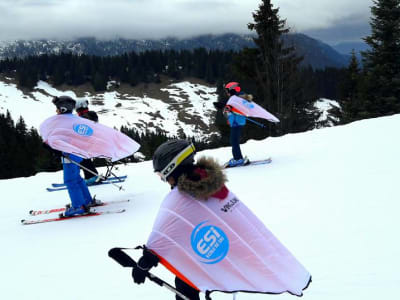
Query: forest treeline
pixel 147 67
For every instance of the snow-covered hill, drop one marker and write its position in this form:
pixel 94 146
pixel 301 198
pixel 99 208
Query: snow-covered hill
pixel 187 107
pixel 177 109
pixel 330 195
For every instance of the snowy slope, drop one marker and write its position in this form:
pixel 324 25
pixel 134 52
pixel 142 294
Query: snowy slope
pixel 189 109
pixel 330 195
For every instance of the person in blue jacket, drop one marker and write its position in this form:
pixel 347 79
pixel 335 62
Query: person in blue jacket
pixel 78 191
pixel 236 122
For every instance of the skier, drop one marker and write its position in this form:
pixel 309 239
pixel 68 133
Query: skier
pixel 195 254
pixel 236 121
pixel 78 192
pixel 82 109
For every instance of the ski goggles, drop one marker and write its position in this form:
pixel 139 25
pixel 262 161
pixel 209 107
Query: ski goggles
pixel 176 161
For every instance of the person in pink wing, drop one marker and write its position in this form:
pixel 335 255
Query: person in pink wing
pixel 236 121
pixel 78 192
pixel 208 238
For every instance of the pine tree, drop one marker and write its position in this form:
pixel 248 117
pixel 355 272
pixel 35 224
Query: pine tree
pixel 274 68
pixel 381 63
pixel 349 91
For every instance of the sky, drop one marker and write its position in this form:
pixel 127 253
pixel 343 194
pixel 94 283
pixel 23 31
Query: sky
pixel 327 20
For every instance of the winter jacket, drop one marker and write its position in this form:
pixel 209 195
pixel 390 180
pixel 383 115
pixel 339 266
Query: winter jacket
pixel 235 117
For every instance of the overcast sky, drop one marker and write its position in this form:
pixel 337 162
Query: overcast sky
pixel 328 20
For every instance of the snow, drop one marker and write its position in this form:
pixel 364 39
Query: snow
pixel 323 106
pixel 116 109
pixel 330 195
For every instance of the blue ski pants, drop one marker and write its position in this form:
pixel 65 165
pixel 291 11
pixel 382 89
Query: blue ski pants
pixel 77 188
pixel 235 142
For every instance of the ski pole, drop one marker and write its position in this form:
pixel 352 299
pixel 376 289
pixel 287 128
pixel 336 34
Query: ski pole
pixel 255 122
pixel 126 261
pixel 90 171
pixel 251 120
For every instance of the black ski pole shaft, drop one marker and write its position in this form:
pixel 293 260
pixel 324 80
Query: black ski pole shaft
pixel 90 171
pixel 126 261
pixel 255 122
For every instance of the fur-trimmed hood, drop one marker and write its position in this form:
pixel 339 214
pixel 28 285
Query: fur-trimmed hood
pixel 212 180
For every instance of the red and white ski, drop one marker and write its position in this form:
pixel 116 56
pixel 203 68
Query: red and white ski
pixel 91 213
pixel 61 209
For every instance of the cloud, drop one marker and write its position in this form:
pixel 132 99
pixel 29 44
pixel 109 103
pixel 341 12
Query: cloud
pixel 142 19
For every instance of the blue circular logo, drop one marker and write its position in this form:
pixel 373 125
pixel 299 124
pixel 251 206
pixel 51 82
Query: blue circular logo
pixel 248 104
pixel 83 129
pixel 210 243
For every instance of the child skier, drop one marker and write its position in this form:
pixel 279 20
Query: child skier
pixel 208 238
pixel 82 109
pixel 236 122
pixel 78 192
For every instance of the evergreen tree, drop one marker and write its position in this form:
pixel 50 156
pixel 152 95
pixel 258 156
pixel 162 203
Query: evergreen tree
pixel 274 69
pixel 381 95
pixel 349 91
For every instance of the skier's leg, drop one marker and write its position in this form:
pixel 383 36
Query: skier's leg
pixel 235 142
pixel 72 181
pixel 85 192
pixel 186 290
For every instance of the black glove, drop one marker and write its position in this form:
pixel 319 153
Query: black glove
pixel 218 105
pixel 145 263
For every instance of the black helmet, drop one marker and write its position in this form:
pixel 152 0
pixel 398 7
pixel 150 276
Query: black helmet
pixel 65 104
pixel 172 154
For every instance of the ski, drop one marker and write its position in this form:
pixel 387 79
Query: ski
pixel 112 178
pixel 61 209
pixel 252 163
pixel 91 213
pixel 54 189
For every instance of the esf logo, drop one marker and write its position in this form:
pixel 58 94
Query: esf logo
pixel 82 129
pixel 210 243
pixel 248 104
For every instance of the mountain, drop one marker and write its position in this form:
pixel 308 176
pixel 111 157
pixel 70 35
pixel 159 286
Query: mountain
pixel 316 53
pixel 322 197
pixel 347 47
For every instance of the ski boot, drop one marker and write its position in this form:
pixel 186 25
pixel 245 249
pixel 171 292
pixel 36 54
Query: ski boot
pixel 237 162
pixel 74 211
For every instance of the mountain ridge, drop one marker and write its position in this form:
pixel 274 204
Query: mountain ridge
pixel 316 53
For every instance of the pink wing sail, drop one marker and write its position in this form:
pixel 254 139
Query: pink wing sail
pixel 72 134
pixel 250 109
pixel 222 246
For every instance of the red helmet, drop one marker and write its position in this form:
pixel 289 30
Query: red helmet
pixel 233 86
